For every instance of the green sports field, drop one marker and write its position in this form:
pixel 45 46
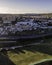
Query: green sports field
pixel 28 55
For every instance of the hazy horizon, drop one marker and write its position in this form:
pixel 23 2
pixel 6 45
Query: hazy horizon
pixel 25 6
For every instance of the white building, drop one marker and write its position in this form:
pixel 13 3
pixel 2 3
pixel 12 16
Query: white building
pixel 6 21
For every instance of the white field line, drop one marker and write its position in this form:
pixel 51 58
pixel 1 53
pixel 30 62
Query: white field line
pixel 44 60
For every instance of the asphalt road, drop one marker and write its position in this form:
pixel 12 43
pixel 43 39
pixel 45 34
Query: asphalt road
pixel 25 37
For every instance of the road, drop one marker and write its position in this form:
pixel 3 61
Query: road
pixel 20 46
pixel 25 37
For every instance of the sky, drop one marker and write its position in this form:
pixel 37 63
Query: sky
pixel 25 6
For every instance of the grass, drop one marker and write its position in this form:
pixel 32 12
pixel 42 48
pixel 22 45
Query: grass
pixel 27 58
pixel 27 55
pixel 22 58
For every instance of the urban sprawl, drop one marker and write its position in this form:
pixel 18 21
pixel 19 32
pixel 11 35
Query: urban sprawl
pixel 13 25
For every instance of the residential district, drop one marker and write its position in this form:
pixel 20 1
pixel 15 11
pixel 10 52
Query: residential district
pixel 19 24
